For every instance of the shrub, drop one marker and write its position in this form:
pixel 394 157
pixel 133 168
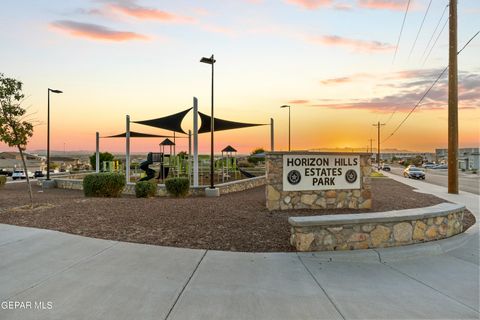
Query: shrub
pixel 145 189
pixel 103 184
pixel 3 181
pixel 177 187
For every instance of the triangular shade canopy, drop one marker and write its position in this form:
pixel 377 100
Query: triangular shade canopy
pixel 167 142
pixel 172 122
pixel 229 148
pixel 134 134
pixel 220 124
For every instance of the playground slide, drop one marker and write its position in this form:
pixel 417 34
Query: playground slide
pixel 246 174
pixel 150 172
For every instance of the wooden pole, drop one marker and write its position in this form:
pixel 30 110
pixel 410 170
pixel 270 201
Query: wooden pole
pixel 453 102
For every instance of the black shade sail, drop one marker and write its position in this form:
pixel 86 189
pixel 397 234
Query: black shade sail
pixel 172 122
pixel 134 134
pixel 229 148
pixel 220 124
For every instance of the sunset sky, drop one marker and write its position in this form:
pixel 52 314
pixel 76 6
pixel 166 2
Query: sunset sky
pixel 333 61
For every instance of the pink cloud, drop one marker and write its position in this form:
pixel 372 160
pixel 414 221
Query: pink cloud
pixel 146 13
pixel 348 79
pixel 356 45
pixel 94 31
pixel 343 6
pixel 383 4
pixel 310 4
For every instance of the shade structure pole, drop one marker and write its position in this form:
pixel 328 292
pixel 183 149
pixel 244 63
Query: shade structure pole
pixel 127 145
pixel 97 152
pixel 212 130
pixel 174 144
pixel 272 139
pixel 190 156
pixel 195 142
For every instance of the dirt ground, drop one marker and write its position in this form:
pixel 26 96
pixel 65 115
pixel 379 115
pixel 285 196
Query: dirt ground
pixel 236 222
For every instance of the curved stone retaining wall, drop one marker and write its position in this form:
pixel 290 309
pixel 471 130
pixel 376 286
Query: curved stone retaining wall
pixel 376 230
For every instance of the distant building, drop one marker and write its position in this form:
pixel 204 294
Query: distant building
pixel 468 158
pixel 11 160
pixel 389 156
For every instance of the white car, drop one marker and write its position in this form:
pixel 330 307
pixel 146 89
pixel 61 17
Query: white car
pixel 20 174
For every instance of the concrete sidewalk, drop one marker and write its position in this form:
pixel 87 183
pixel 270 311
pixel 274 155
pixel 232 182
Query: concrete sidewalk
pixel 75 277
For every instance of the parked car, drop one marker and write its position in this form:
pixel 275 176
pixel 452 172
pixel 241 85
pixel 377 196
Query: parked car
pixel 440 166
pixel 39 174
pixel 428 165
pixel 385 167
pixel 20 174
pixel 414 172
pixel 4 172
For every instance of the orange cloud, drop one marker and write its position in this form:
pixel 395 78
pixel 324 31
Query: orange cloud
pixel 146 13
pixel 383 4
pixel 95 31
pixel 310 4
pixel 356 45
pixel 217 29
pixel 299 101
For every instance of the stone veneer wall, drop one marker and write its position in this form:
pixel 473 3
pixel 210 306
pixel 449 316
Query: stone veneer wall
pixel 355 234
pixel 225 188
pixel 277 199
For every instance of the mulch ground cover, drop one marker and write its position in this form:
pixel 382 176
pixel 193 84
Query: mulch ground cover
pixel 236 222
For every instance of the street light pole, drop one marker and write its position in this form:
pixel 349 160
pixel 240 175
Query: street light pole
pixel 289 125
pixel 48 130
pixel 211 61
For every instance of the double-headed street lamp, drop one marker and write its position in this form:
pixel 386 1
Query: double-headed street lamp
pixel 286 106
pixel 211 61
pixel 48 131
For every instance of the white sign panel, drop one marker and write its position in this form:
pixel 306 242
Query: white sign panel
pixel 320 172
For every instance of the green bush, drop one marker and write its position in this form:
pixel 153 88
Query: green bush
pixel 177 187
pixel 103 184
pixel 3 181
pixel 145 189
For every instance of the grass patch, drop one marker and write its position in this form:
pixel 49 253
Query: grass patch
pixel 376 174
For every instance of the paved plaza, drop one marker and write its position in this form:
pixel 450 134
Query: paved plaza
pixel 65 276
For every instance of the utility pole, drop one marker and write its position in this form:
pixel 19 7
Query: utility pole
pixel 453 102
pixel 378 125
pixel 371 145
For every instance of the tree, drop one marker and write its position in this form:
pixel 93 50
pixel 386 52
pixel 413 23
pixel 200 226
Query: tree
pixel 104 156
pixel 254 158
pixel 14 130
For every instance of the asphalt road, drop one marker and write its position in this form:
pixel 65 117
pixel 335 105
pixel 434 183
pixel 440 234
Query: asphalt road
pixel 467 182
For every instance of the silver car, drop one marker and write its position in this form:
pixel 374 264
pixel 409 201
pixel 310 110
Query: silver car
pixel 414 172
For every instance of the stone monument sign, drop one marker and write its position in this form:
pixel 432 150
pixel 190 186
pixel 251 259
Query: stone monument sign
pixel 318 180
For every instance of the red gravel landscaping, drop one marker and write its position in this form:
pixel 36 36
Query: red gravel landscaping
pixel 236 222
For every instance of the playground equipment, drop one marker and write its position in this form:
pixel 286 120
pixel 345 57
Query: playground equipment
pixel 229 163
pixel 112 166
pixel 154 157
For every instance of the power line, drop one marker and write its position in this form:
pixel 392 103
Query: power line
pixel 420 29
pixel 429 89
pixel 434 31
pixel 438 37
pixel 401 30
